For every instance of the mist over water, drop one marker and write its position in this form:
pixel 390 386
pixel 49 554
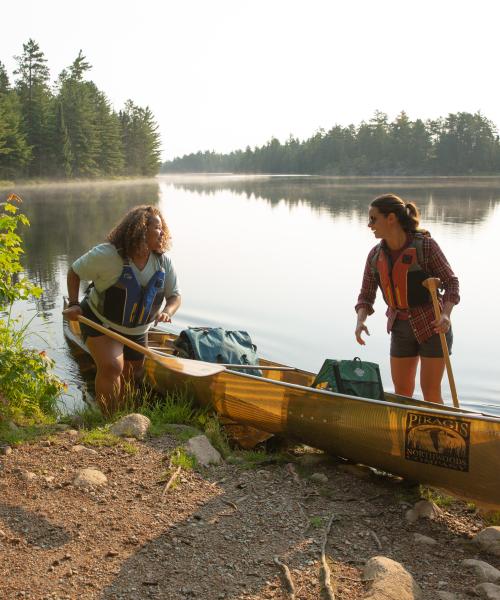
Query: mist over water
pixel 279 256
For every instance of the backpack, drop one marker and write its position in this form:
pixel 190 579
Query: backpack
pixel 218 345
pixel 351 377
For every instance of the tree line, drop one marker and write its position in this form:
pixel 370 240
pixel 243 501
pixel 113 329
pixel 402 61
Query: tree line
pixel 460 144
pixel 69 129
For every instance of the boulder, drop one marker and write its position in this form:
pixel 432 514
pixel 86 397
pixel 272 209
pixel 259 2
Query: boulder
pixel 133 425
pixel 319 478
pixel 424 539
pixel 489 540
pixel 389 580
pixel 424 509
pixel 88 478
pixel 490 591
pixel 200 447
pixel 484 572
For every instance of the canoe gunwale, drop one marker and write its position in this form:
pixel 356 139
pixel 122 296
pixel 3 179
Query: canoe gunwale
pixel 422 406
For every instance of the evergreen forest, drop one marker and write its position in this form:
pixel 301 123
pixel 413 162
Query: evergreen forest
pixel 460 144
pixel 69 129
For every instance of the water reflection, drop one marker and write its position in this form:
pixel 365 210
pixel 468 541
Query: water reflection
pixel 443 199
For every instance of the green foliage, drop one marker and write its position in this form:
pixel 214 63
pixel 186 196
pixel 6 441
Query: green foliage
pixel 12 285
pixel 28 388
pixel 180 458
pixel 462 143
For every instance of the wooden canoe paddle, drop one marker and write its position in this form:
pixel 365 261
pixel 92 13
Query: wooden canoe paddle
pixel 192 368
pixel 431 284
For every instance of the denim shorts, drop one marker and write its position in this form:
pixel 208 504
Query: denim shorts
pixel 87 331
pixel 404 344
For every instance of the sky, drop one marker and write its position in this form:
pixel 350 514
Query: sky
pixel 223 74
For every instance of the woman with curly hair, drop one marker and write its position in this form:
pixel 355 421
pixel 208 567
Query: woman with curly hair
pixel 398 264
pixel 134 284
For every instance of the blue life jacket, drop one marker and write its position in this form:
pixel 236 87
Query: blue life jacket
pixel 129 304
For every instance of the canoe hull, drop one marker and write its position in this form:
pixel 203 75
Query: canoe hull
pixel 452 449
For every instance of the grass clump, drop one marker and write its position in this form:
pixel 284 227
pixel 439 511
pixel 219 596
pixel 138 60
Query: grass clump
pixel 492 518
pixel 29 433
pixel 100 436
pixel 180 458
pixel 254 459
pixel 439 499
pixel 316 522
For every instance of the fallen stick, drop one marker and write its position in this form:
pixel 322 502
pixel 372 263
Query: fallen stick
pixel 290 587
pixel 170 483
pixel 375 537
pixel 325 569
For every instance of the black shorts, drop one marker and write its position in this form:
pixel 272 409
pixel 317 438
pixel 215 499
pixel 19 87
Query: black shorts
pixel 404 344
pixel 87 331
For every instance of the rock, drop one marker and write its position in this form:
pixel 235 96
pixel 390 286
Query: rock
pixel 490 591
pixel 319 478
pixel 203 451
pixel 133 425
pixel 6 450
pixel 389 580
pixel 484 572
pixel 72 432
pixel 27 476
pixel 424 509
pixel 424 539
pixel 489 540
pixel 446 596
pixel 80 448
pixel 87 478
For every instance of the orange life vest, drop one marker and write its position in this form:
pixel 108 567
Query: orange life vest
pixel 401 282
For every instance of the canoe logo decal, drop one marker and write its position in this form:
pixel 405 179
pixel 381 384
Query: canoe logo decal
pixel 433 440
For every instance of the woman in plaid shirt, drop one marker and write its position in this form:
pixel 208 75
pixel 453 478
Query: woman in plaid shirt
pixel 405 256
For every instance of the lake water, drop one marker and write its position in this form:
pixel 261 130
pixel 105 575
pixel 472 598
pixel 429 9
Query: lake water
pixel 281 257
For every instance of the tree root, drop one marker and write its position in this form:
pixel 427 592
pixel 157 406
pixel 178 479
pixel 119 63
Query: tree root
pixel 290 587
pixel 325 569
pixel 169 483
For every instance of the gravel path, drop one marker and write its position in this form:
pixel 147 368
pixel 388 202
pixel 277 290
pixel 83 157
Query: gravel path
pixel 214 534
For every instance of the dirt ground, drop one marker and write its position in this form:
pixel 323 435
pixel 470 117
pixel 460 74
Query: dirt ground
pixel 215 534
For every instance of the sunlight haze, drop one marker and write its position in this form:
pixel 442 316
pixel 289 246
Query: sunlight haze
pixel 222 75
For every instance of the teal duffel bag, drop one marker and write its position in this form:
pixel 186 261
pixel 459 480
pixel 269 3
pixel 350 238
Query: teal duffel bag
pixel 217 345
pixel 352 377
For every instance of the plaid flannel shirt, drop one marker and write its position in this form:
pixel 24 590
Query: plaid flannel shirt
pixel 420 317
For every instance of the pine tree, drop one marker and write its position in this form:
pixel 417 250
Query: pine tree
pixel 141 140
pixel 35 97
pixel 14 150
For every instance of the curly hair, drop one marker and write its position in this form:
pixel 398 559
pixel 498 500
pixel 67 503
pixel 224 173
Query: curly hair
pixel 406 213
pixel 129 235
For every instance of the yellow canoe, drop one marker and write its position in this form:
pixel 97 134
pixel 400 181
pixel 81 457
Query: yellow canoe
pixel 449 448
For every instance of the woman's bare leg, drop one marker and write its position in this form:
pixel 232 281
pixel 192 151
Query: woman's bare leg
pixel 108 357
pixel 431 374
pixel 403 371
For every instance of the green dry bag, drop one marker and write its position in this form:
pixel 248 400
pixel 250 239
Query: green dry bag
pixel 351 377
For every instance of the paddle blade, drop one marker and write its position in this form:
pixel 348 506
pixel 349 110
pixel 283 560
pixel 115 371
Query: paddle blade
pixel 185 366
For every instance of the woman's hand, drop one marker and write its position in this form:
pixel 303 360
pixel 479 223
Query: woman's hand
pixel 360 328
pixel 73 312
pixel 443 324
pixel 164 317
